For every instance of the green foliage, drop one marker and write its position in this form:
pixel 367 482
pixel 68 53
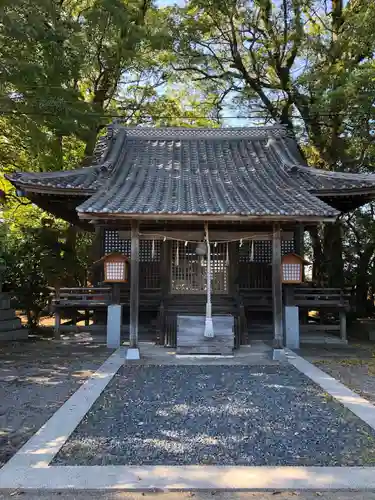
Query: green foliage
pixel 40 252
pixel 68 67
pixel 307 64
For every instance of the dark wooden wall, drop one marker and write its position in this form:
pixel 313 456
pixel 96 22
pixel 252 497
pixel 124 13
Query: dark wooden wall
pixel 250 262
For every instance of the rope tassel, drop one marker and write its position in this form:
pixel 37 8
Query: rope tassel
pixel 153 250
pixel 177 261
pixel 208 327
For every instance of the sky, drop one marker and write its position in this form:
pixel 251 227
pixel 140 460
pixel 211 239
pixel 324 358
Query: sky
pixel 163 3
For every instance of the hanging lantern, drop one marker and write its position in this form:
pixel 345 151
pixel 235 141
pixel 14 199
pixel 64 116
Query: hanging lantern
pixel 115 268
pixel 292 268
pixel 201 248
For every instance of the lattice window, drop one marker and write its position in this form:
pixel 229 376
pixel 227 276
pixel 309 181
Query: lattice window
pixel 287 246
pixel 146 254
pixel 261 250
pixel 189 270
pixel 113 243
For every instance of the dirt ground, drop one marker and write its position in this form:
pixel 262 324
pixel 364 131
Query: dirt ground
pixel 353 365
pixel 36 378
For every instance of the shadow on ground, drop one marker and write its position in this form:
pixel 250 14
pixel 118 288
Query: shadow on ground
pixel 36 378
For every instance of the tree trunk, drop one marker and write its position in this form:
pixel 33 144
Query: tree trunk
pixel 333 259
pixel 318 271
pixel 362 282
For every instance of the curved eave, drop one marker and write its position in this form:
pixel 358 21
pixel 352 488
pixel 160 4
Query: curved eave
pixel 345 200
pixel 63 207
pixel 208 217
pixel 29 188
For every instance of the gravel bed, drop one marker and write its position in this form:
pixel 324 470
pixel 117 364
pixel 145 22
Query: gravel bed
pixel 36 378
pixel 222 415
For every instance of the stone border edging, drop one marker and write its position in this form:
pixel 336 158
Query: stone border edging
pixel 355 403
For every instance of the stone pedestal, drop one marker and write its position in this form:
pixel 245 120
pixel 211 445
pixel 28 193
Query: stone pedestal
pixel 10 326
pixel 114 326
pixel 291 318
pixel 191 339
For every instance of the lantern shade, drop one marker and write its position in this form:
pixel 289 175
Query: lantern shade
pixel 115 268
pixel 201 248
pixel 292 268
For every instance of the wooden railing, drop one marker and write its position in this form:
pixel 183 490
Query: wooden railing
pixel 73 300
pixel 335 298
pixel 86 298
pixel 331 304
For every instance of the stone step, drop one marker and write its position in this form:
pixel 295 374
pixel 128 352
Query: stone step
pixel 191 340
pixel 18 334
pixel 10 324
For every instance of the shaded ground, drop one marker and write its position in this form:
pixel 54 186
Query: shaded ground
pixel 219 415
pixel 36 378
pixel 197 495
pixel 353 365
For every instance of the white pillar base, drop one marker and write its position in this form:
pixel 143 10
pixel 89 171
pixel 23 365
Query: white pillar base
pixel 132 354
pixel 279 355
pixel 114 314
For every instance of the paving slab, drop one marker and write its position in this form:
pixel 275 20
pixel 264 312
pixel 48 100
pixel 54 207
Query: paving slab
pixel 190 495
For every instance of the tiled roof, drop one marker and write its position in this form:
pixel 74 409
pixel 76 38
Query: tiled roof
pixel 317 180
pixel 84 179
pixel 254 171
pixel 202 172
pixel 80 180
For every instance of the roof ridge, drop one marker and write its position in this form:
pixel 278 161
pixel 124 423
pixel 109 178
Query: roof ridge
pixel 178 133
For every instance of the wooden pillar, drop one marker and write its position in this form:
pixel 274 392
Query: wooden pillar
pixel 233 268
pixel 165 268
pixel 342 316
pixel 97 253
pixel 134 284
pixel 57 323
pixel 87 317
pixel 277 301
